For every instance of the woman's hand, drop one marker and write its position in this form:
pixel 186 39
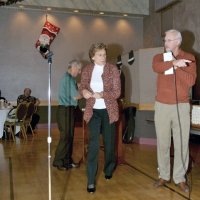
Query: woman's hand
pixel 87 94
pixel 98 95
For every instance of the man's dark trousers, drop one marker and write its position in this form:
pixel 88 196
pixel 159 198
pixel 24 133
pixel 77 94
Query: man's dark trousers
pixel 65 120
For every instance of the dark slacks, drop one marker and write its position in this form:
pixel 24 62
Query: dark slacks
pixel 35 120
pixel 99 123
pixel 65 120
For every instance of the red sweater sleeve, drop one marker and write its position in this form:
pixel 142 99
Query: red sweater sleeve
pixel 159 66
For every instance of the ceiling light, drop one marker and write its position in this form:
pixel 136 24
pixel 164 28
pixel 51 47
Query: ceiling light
pixel 49 9
pixel 76 11
pixel 101 13
pixel 125 15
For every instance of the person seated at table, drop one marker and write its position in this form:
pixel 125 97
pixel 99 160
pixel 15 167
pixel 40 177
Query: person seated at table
pixel 26 97
pixel 3 102
pixel 2 98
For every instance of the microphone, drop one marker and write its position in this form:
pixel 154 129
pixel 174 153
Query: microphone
pixel 173 55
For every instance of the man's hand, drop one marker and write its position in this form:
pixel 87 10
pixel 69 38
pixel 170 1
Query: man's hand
pixel 78 97
pixel 181 63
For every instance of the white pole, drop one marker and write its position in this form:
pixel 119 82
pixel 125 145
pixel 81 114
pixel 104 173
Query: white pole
pixel 49 139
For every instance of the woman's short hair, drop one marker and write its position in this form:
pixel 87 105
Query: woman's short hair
pixel 96 47
pixel 74 62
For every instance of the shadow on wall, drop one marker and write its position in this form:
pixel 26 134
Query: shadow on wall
pixel 187 45
pixel 127 83
pixel 114 50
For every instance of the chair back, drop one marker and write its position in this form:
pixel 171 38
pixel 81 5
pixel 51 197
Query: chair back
pixel 17 119
pixel 30 110
pixel 21 111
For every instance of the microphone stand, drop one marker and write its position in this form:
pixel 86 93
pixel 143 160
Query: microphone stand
pixel 49 139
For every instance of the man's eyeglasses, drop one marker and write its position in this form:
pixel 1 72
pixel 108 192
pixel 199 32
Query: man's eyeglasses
pixel 168 40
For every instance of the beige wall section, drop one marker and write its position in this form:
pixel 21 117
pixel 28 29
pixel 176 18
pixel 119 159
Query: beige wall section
pixel 21 65
pixel 152 28
pixel 185 18
pixel 141 80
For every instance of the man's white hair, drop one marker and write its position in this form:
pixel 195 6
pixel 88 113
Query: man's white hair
pixel 74 62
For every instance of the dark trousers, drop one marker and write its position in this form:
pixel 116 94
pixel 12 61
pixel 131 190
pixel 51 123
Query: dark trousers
pixel 65 120
pixel 35 120
pixel 99 123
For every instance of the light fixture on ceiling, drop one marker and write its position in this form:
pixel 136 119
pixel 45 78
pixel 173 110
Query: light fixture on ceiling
pixel 64 10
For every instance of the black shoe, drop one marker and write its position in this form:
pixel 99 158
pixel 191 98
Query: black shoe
pixel 3 137
pixel 17 134
pixel 91 188
pixel 72 165
pixel 62 168
pixel 108 177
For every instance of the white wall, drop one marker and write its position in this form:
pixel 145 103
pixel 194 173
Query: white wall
pixel 21 65
pixel 141 87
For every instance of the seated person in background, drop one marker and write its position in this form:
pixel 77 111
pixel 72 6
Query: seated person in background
pixel 26 97
pixel 2 98
pixel 3 101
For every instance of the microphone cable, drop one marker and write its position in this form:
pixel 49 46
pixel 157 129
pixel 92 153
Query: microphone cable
pixel 181 137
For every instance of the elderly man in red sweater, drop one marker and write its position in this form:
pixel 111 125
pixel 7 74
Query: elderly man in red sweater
pixel 176 74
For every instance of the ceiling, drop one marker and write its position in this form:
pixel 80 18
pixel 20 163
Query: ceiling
pixel 115 8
